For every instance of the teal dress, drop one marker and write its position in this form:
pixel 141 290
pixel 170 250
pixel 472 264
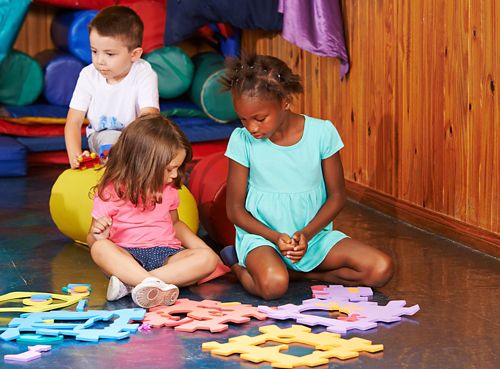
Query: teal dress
pixel 286 188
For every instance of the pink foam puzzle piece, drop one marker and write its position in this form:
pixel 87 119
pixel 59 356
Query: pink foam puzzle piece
pixel 338 292
pixel 201 315
pixel 40 348
pixel 235 310
pixel 23 356
pixel 163 316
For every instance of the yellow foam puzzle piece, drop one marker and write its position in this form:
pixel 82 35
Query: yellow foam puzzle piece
pixel 327 345
pixel 67 301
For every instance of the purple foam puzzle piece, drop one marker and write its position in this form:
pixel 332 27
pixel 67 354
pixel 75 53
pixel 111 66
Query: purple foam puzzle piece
pixel 361 315
pixel 338 292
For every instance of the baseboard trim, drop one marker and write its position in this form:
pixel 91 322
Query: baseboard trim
pixel 472 236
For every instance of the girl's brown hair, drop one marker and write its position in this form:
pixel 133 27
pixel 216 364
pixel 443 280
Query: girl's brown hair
pixel 260 75
pixel 137 162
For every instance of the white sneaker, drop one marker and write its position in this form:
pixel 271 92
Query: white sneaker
pixel 153 292
pixel 117 289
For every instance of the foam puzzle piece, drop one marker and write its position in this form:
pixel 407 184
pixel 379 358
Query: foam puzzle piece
pixel 81 305
pixel 40 306
pixel 23 356
pixel 327 345
pixel 201 315
pixel 38 339
pixel 338 292
pixel 120 327
pixel 80 289
pixel 34 352
pixel 367 313
pixel 40 348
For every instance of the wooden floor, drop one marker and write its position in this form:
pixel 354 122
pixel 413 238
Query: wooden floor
pixel 457 289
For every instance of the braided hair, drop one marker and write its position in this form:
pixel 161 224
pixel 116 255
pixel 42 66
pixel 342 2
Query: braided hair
pixel 260 75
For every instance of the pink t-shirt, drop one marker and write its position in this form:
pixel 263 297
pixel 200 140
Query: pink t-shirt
pixel 135 227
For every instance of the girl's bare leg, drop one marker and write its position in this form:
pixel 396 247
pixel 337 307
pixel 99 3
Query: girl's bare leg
pixel 187 267
pixel 353 263
pixel 113 260
pixel 265 276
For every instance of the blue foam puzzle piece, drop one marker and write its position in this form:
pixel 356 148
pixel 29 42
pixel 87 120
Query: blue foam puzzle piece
pixel 120 328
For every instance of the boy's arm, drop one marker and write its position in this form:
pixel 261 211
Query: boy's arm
pixel 188 239
pixel 149 110
pixel 73 135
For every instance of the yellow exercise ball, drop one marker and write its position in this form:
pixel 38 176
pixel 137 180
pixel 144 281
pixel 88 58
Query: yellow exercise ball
pixel 71 203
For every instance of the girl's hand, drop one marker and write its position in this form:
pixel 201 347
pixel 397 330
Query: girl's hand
pixel 284 243
pixel 101 227
pixel 300 245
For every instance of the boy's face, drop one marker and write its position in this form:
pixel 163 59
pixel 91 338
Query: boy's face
pixel 111 56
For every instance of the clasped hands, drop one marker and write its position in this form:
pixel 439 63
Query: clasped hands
pixel 293 247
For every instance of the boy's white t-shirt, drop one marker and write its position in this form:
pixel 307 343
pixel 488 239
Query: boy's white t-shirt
pixel 115 106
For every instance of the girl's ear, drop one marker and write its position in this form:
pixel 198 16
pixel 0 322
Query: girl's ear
pixel 136 54
pixel 286 103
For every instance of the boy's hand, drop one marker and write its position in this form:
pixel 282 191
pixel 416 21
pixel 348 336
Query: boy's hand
pixel 284 243
pixel 300 245
pixel 74 161
pixel 101 227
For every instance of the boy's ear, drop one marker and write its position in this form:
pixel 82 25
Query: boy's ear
pixel 136 53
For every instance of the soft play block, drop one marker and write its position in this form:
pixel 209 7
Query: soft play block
pixel 79 4
pixel 12 13
pixel 153 14
pixel 69 33
pixel 12 157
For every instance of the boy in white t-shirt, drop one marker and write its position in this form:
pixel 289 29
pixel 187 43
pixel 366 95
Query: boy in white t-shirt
pixel 116 88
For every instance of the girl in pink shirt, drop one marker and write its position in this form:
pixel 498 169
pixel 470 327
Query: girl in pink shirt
pixel 136 235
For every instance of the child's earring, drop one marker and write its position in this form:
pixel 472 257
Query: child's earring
pixel 287 106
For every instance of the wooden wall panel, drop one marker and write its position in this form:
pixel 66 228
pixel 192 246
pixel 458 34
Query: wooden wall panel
pixel 34 35
pixel 419 112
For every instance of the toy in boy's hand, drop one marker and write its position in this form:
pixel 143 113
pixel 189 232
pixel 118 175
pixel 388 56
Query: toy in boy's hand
pixel 89 161
pixel 104 151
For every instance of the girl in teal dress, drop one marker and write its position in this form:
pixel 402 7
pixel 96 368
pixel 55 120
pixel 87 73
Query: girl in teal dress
pixel 285 187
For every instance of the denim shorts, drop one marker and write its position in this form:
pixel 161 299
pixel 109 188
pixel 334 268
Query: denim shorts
pixel 152 257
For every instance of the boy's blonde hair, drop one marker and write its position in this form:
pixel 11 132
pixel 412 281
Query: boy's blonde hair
pixel 120 22
pixel 137 162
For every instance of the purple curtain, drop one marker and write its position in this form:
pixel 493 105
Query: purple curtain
pixel 316 26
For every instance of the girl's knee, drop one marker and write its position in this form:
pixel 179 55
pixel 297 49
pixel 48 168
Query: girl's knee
pixel 98 247
pixel 273 285
pixel 206 259
pixel 381 272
